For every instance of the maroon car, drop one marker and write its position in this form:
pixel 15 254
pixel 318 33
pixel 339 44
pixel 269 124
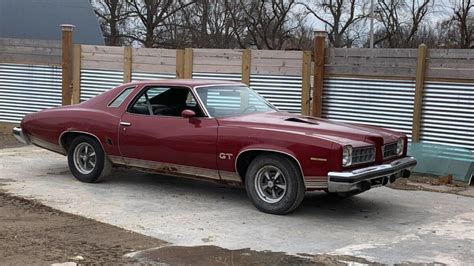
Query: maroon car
pixel 221 131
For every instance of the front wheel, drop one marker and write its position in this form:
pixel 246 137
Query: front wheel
pixel 87 160
pixel 274 184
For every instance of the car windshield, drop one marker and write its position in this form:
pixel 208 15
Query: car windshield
pixel 223 101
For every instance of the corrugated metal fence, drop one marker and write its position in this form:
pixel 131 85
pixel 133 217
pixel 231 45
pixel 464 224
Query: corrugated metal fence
pixel 385 103
pixel 28 88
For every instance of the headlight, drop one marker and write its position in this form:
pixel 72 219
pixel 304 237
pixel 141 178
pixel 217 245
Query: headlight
pixel 400 146
pixel 347 155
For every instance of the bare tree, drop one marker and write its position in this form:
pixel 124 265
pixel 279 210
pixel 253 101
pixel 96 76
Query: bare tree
pixel 400 21
pixel 267 23
pixel 461 23
pixel 152 16
pixel 112 15
pixel 209 23
pixel 339 16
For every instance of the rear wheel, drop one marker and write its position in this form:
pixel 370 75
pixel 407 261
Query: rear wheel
pixel 274 184
pixel 87 160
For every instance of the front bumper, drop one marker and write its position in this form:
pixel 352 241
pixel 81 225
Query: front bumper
pixel 20 136
pixel 366 178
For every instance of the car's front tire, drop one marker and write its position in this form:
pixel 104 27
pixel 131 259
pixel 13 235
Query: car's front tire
pixel 274 184
pixel 87 160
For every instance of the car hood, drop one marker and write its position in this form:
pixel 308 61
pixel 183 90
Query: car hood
pixel 342 133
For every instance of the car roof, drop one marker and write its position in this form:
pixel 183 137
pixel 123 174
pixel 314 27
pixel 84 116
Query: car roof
pixel 186 82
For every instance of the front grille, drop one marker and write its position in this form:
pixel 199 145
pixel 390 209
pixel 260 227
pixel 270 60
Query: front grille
pixel 363 155
pixel 389 150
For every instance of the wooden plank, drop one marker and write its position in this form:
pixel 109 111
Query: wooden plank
pixel 367 52
pixel 164 69
pixel 319 47
pixel 446 73
pixel 30 50
pixel 30 43
pixel 451 53
pixel 102 65
pixel 218 61
pixel 272 54
pixel 371 61
pixel 179 64
pixel 274 70
pixel 294 62
pixel 217 52
pixel 170 61
pixel 67 64
pixel 306 84
pixel 154 52
pixel 102 49
pixel 419 85
pixel 118 58
pixel 127 64
pixel 246 63
pixel 450 63
pixel 367 76
pixel 188 63
pixel 30 59
pixel 404 72
pixel 76 75
pixel 217 69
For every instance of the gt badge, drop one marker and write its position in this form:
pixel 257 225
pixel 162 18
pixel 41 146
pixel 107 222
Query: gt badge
pixel 224 156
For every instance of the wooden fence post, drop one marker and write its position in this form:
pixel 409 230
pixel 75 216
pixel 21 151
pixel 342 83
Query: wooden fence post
pixel 67 63
pixel 306 83
pixel 180 64
pixel 127 64
pixel 419 85
pixel 246 62
pixel 319 46
pixel 76 76
pixel 188 63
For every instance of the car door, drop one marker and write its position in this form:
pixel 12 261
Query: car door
pixel 154 135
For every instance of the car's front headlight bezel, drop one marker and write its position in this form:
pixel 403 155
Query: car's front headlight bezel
pixel 346 155
pixel 400 146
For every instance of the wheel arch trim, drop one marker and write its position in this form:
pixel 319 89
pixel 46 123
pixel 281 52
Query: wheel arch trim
pixel 267 150
pixel 78 132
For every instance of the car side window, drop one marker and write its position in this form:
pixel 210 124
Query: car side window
pixel 164 101
pixel 121 97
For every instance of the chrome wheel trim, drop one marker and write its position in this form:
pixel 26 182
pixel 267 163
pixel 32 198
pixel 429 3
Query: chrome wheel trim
pixel 270 184
pixel 84 158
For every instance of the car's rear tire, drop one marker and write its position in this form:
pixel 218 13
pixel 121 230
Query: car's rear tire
pixel 274 184
pixel 87 160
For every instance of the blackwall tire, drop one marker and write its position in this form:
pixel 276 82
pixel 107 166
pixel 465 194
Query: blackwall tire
pixel 87 160
pixel 274 184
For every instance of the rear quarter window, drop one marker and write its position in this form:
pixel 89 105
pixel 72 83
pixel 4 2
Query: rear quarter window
pixel 121 97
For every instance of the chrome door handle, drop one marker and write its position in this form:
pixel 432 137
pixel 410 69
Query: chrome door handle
pixel 126 124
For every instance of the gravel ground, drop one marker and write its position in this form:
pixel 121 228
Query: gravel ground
pixel 31 232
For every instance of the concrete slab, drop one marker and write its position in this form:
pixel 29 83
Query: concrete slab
pixel 381 225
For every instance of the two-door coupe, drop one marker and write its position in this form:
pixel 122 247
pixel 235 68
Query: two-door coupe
pixel 221 131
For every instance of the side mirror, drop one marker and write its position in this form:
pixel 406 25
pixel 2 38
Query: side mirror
pixel 188 113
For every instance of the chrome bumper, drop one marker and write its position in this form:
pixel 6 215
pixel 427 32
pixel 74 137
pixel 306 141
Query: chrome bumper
pixel 366 178
pixel 18 133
